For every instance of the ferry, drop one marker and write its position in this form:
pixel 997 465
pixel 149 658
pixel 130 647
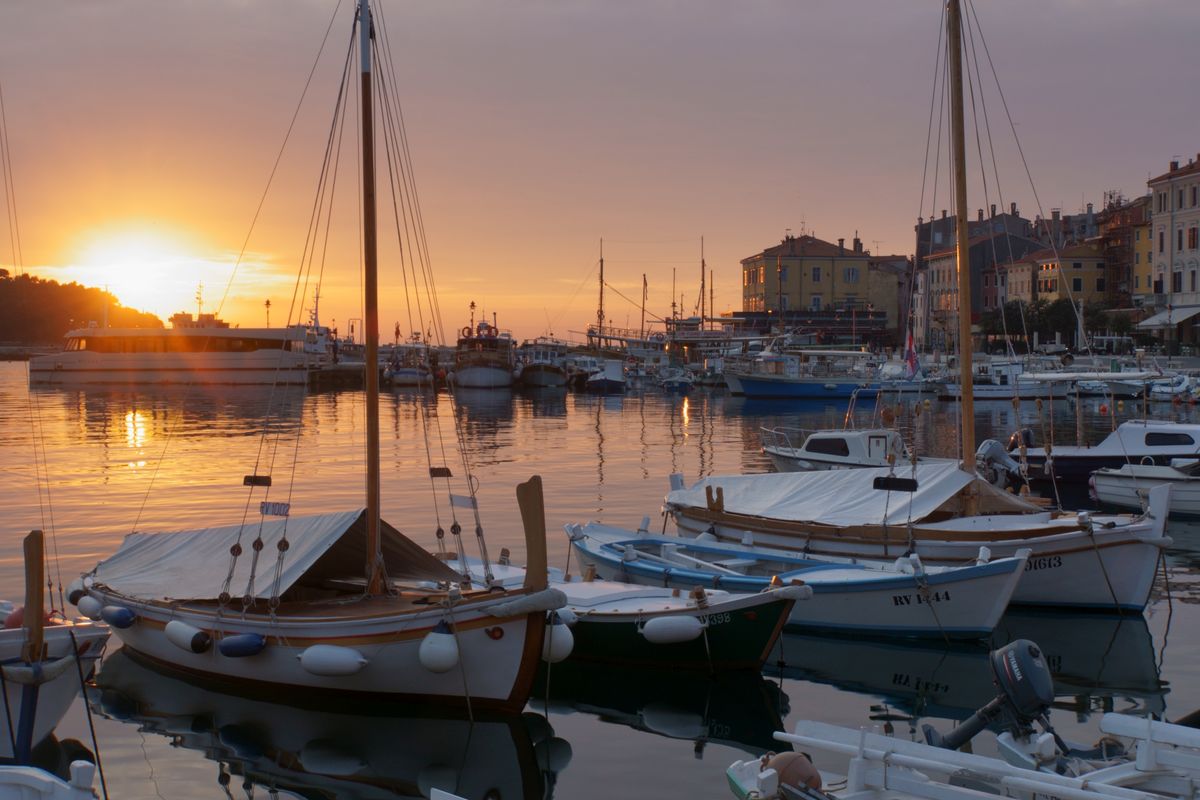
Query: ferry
pixel 203 350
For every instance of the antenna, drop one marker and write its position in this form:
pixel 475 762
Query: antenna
pixel 199 299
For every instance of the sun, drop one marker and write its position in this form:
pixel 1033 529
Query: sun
pixel 145 269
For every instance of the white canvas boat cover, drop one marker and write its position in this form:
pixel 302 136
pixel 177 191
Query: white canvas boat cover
pixel 847 497
pixel 192 565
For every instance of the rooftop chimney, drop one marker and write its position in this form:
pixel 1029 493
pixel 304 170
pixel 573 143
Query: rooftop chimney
pixel 1089 211
pixel 857 245
pixel 943 213
pixel 1174 166
pixel 993 209
pixel 842 246
pixel 1013 206
pixel 981 215
pixel 1054 214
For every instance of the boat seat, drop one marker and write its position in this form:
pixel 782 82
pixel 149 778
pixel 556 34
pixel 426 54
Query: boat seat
pixel 736 563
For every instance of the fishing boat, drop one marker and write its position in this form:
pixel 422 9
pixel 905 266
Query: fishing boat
pixel 609 379
pixel 542 362
pixel 805 374
pixel 364 750
pixel 1001 380
pixel 485 357
pixel 901 599
pixel 1077 559
pixel 44 660
pixel 338 602
pixel 675 379
pixel 1128 485
pixel 409 365
pixel 704 629
pixel 194 351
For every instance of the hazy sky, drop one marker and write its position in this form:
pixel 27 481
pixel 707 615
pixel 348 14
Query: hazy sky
pixel 142 134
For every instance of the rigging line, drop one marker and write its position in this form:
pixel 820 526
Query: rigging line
pixel 279 157
pixel 932 104
pixel 10 189
pixel 42 478
pixel 1029 176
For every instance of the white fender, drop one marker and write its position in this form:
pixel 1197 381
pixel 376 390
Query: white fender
pixel 331 661
pixel 188 637
pixel 90 607
pixel 558 642
pixel 672 630
pixel 554 754
pixel 439 650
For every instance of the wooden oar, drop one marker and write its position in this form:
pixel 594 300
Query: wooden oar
pixel 35 595
pixel 533 517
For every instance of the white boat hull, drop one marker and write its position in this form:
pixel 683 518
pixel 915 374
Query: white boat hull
pixel 493 664
pixel 483 377
pixel 1127 488
pixel 55 696
pixel 255 367
pixel 1069 569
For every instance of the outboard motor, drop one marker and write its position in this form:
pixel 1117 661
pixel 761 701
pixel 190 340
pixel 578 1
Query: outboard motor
pixel 1026 692
pixel 996 465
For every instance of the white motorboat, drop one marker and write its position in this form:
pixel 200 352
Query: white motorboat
pixel 902 599
pixel 1130 485
pixel 609 379
pixel 204 351
pixel 1077 559
pixel 31 783
pixel 1163 760
pixel 798 450
pixel 338 602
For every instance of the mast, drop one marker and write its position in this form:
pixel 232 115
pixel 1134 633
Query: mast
pixel 703 269
pixel 600 308
pixel 958 139
pixel 370 306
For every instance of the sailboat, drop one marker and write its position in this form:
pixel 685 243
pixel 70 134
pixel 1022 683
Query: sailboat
pixel 336 602
pixel 943 515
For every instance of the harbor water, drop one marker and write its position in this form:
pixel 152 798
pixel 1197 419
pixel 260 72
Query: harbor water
pixel 90 466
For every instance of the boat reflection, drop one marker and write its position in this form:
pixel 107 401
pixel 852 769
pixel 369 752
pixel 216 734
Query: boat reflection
pixel 737 709
pixel 351 750
pixel 1100 662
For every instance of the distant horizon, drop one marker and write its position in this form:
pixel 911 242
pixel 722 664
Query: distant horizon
pixel 141 149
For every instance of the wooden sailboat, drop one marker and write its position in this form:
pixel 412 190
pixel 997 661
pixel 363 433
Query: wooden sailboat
pixel 339 602
pixel 944 516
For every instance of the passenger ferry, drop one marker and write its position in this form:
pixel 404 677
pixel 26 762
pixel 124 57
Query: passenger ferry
pixel 194 350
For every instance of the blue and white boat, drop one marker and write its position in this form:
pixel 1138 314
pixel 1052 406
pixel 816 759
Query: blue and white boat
pixel 901 598
pixel 609 380
pixel 806 374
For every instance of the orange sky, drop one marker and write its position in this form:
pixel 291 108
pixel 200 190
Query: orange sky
pixel 142 134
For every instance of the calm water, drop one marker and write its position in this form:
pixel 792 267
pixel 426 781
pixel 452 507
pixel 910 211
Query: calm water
pixel 113 461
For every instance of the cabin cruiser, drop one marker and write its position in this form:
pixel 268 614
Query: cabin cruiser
pixel 798 450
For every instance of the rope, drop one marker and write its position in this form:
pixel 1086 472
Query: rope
pixel 88 708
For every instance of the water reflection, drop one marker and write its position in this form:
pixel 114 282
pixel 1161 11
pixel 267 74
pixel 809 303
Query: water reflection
pixel 1100 662
pixel 738 709
pixel 347 750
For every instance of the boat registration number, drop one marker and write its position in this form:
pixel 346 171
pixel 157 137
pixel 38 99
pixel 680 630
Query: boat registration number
pixel 920 598
pixel 1045 562
pixel 716 619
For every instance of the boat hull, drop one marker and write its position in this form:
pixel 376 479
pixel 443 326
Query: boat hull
pixel 739 633
pixel 496 664
pixel 483 377
pixel 1127 488
pixel 766 386
pixel 1066 568
pixel 271 367
pixel 960 604
pixel 54 697
pixel 543 375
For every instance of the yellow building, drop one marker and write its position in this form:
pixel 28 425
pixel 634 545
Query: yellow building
pixel 1143 260
pixel 806 273
pixel 1077 274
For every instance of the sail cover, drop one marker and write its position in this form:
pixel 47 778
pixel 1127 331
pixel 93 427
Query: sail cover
pixel 192 565
pixel 847 497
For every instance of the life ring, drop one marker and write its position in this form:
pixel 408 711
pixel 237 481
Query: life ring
pixel 466 332
pixel 658 337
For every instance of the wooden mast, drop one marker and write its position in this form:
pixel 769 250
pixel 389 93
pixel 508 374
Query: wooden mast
pixel 370 306
pixel 958 138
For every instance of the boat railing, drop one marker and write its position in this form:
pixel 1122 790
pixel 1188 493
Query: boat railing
pixel 783 437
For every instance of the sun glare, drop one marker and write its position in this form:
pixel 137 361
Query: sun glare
pixel 147 270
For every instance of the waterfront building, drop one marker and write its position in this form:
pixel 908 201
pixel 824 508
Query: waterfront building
pixel 1076 273
pixel 1119 235
pixel 1175 253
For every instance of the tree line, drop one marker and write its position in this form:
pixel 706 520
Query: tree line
pixel 38 311
pixel 1047 318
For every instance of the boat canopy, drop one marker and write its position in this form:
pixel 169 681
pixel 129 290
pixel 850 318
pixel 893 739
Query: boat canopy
pixel 191 565
pixel 847 497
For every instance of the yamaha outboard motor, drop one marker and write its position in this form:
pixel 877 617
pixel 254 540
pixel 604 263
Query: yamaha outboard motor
pixel 1026 692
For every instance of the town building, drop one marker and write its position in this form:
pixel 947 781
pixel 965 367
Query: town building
pixel 1077 273
pixel 1175 253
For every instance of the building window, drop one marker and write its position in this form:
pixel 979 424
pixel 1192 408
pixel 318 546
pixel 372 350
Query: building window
pixel 816 274
pixel 762 274
pixel 1179 239
pixel 1099 284
pixel 1180 200
pixel 1137 281
pixel 1077 265
pixel 1194 196
pixel 1077 284
pixel 850 275
pixel 816 300
pixel 1176 281
pixel 1137 257
pixel 1193 281
pixel 1161 239
pixel 783 303
pixel 1193 238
